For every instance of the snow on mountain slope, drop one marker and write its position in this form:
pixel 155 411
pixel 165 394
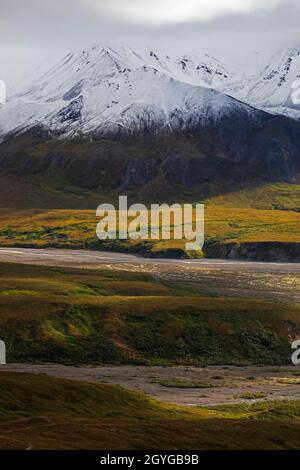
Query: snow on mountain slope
pixel 271 89
pixel 104 92
pixel 103 89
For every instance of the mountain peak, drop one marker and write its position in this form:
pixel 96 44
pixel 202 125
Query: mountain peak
pixel 104 87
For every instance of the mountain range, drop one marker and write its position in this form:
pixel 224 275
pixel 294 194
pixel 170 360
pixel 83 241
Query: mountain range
pixel 115 119
pixel 101 89
pixel 271 88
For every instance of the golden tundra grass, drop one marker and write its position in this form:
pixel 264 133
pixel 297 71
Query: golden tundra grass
pixel 39 412
pixel 77 228
pixel 73 316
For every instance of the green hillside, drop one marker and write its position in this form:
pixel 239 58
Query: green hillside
pixel 39 412
pixel 82 316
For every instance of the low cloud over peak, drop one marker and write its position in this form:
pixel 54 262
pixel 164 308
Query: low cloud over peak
pixel 163 12
pixel 238 30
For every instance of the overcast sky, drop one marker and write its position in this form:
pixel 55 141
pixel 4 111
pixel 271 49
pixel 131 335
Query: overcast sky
pixel 33 33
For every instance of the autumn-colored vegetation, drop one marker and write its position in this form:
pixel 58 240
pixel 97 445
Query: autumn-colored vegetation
pixel 77 229
pixel 39 412
pixel 73 316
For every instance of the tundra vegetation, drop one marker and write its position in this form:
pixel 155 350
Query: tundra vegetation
pixel 63 414
pixel 41 228
pixel 74 316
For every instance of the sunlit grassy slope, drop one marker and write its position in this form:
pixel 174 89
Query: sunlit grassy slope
pixel 39 412
pixel 77 229
pixel 262 213
pixel 78 317
pixel 265 196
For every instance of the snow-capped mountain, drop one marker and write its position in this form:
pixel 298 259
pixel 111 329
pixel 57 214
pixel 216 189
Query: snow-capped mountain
pixel 271 89
pixel 103 89
pixel 193 132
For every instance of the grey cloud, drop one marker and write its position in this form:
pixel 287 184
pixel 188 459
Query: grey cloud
pixel 31 30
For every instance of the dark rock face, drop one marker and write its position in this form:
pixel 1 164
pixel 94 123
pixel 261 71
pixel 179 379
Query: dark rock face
pixel 138 172
pixel 276 150
pixel 257 251
pixel 72 112
pixel 242 148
